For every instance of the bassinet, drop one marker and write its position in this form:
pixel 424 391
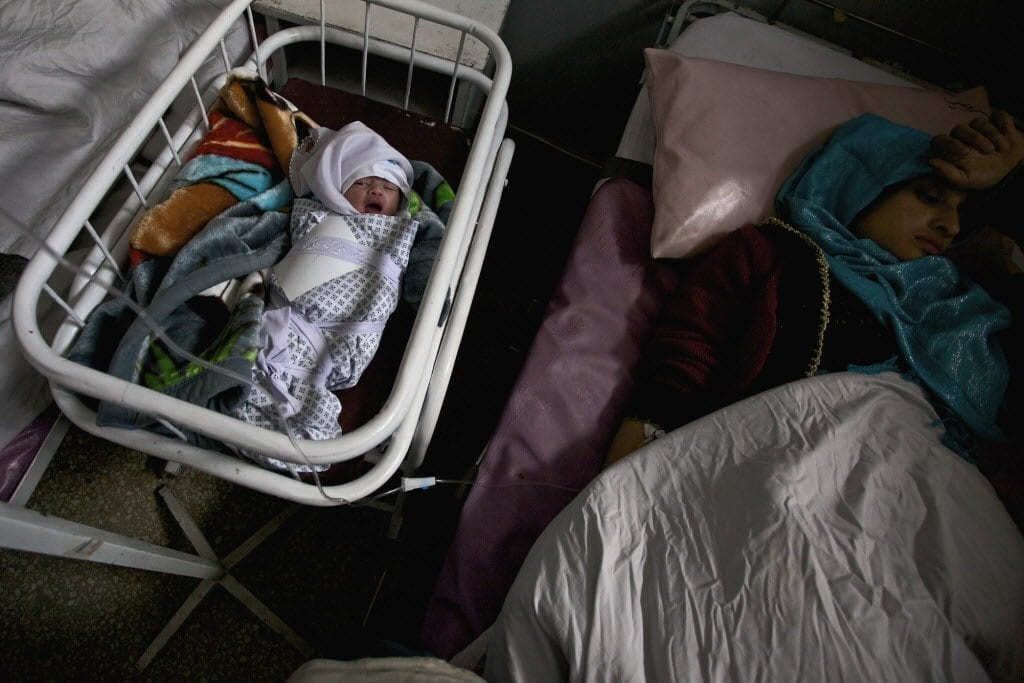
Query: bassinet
pixel 393 438
pixel 398 434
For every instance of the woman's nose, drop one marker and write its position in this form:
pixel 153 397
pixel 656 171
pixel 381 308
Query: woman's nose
pixel 949 224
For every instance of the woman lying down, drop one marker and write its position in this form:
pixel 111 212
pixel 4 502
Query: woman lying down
pixel 820 529
pixel 853 277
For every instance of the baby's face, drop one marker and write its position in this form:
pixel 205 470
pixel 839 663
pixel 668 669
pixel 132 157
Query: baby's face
pixel 919 218
pixel 374 195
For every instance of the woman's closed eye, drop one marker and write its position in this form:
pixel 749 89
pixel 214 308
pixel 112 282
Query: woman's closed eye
pixel 928 195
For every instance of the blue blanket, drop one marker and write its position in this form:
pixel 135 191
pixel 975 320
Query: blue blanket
pixel 241 240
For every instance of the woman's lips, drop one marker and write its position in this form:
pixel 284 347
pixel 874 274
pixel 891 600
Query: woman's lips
pixel 930 245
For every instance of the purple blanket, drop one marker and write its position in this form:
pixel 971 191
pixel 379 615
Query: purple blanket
pixel 562 414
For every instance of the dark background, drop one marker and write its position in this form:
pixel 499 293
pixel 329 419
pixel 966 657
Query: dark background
pixel 577 62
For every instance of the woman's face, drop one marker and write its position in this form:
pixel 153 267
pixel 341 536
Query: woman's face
pixel 915 219
pixel 374 195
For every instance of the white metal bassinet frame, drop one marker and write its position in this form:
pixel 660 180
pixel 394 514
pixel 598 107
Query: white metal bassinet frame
pixel 407 419
pixel 395 438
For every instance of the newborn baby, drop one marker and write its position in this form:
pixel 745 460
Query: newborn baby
pixel 330 297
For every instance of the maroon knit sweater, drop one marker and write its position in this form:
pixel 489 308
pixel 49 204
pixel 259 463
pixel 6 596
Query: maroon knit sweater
pixel 757 311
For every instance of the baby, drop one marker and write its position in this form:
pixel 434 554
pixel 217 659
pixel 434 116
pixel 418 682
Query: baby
pixel 331 295
pixel 374 195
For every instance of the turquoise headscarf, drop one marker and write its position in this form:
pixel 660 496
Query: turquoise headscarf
pixel 944 324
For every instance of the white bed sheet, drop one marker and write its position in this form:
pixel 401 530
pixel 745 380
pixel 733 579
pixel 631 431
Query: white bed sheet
pixel 729 37
pixel 818 531
pixel 72 74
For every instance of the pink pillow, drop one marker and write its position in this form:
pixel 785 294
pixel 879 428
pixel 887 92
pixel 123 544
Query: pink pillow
pixel 729 135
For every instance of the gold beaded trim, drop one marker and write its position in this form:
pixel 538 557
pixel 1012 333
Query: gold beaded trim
pixel 826 299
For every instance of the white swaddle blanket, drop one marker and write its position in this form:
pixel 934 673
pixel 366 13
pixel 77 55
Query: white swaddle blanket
pixel 330 297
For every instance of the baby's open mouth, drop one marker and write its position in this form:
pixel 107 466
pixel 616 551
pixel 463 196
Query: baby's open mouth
pixel 374 207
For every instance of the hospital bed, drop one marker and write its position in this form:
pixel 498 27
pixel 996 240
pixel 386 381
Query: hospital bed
pixel 713 552
pixel 83 262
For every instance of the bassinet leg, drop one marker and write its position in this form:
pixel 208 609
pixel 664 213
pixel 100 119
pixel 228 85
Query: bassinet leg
pixel 42 460
pixel 230 583
pixel 395 523
pixel 22 529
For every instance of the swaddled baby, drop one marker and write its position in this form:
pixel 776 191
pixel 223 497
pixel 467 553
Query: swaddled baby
pixel 331 295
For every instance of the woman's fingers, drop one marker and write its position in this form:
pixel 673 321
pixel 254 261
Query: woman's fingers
pixel 987 134
pixel 991 133
pixel 949 148
pixel 973 137
pixel 948 171
pixel 1004 122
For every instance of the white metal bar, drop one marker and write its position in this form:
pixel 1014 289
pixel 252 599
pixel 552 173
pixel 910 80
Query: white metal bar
pixel 63 304
pixel 323 44
pixel 412 61
pixel 23 529
pixel 172 626
pixel 280 72
pixel 366 43
pixel 252 34
pixel 266 615
pixel 224 56
pixel 455 78
pixel 460 310
pixel 187 524
pixel 170 142
pixel 103 248
pixel 135 185
pixel 155 182
pixel 44 455
pixel 199 102
pixel 253 542
pixel 169 426
pixel 380 48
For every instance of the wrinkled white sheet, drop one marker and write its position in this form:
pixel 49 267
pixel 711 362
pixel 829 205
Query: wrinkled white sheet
pixel 72 74
pixel 819 531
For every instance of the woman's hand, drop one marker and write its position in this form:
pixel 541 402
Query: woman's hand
pixel 978 155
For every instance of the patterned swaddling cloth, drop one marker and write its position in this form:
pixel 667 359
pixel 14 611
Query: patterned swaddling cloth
pixel 323 340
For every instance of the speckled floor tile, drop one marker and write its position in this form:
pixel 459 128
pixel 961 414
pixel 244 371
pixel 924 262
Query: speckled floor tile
pixel 66 618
